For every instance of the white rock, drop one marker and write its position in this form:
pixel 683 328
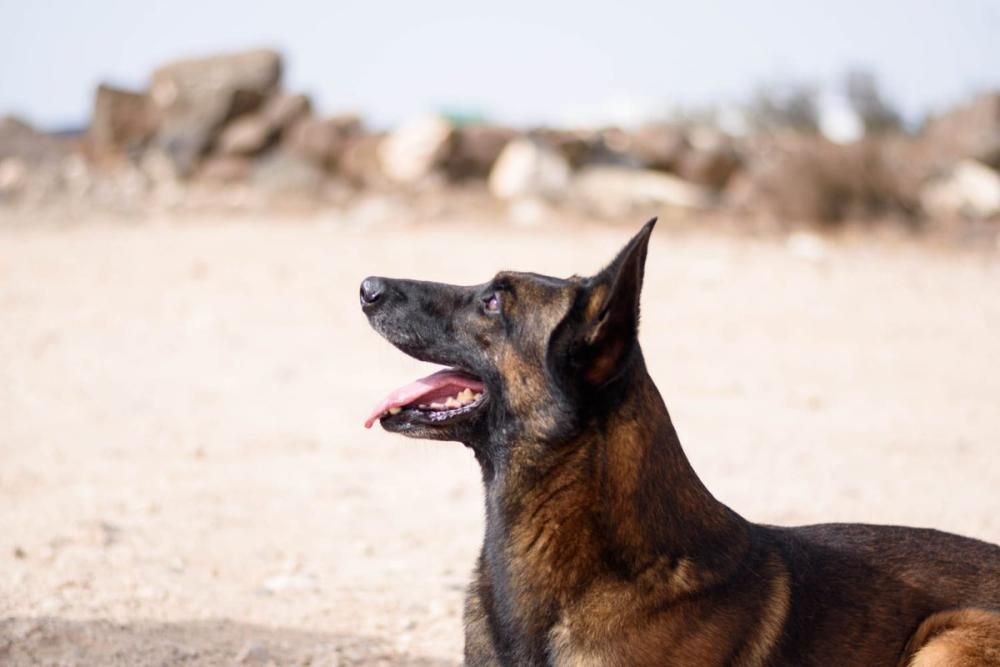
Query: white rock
pixel 529 169
pixel 613 190
pixel 13 174
pixel 415 149
pixel 971 189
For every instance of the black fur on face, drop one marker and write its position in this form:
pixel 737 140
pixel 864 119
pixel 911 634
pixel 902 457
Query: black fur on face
pixel 545 348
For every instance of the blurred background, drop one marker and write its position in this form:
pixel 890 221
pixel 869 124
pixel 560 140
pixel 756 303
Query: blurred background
pixel 784 112
pixel 190 194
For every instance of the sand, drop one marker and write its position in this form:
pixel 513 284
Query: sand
pixel 184 476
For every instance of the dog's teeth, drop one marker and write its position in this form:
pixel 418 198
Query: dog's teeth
pixel 452 402
pixel 477 396
pixel 465 396
pixel 395 411
pixel 424 406
pixel 438 406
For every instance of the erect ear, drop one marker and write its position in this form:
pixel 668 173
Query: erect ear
pixel 611 311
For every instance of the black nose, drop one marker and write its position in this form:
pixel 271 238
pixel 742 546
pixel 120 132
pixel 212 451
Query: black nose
pixel 371 290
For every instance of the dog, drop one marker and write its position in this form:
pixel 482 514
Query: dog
pixel 602 546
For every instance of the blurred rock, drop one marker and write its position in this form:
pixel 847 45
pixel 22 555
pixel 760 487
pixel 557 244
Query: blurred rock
pixel 77 177
pixel 615 191
pixel 414 150
pixel 158 167
pixel 247 135
pixel 711 160
pixel 475 150
pixel 196 97
pixel 224 169
pixel 970 190
pixel 577 147
pixel 19 140
pixel 322 140
pixel 528 168
pixel 359 162
pixel 971 131
pixel 656 146
pixel 122 121
pixel 36 168
pixel 13 175
pixel 282 110
pixel 252 133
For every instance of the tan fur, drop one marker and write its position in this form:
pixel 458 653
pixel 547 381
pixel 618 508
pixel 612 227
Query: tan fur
pixel 772 621
pixel 956 638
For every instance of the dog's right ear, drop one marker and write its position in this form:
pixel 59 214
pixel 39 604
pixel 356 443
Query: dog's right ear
pixel 611 312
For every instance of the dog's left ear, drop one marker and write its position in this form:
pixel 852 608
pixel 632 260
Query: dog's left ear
pixel 611 311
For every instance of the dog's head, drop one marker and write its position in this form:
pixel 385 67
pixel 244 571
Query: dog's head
pixel 529 358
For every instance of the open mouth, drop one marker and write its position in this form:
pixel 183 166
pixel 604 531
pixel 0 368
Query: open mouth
pixel 438 398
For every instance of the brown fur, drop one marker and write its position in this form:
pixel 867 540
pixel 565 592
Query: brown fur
pixel 602 545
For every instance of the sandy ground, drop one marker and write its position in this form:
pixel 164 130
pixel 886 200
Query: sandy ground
pixel 184 477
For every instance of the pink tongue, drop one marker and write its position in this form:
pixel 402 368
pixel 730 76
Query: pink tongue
pixel 437 385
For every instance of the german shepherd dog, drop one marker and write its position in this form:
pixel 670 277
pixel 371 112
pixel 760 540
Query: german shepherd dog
pixel 602 546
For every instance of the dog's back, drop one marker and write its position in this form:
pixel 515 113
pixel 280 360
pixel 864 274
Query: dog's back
pixel 849 578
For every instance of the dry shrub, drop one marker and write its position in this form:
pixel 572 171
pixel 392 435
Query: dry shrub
pixel 808 178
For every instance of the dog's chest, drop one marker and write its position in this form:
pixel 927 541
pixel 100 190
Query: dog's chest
pixel 566 651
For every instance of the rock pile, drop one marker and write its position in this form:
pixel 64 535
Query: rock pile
pixel 223 129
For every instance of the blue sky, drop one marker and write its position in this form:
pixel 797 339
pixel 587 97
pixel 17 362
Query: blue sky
pixel 521 62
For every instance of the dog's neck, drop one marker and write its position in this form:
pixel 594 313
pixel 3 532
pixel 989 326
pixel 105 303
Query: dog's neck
pixel 620 497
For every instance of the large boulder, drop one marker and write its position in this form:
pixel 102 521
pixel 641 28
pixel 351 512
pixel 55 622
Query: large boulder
pixel 528 169
pixel 253 132
pixel 322 141
pixel 970 131
pixel 30 161
pixel 969 190
pixel 22 142
pixel 612 190
pixel 285 109
pixel 194 99
pixel 416 149
pixel 247 135
pixel 122 121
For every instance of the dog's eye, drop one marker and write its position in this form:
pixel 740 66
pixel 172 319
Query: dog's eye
pixel 491 303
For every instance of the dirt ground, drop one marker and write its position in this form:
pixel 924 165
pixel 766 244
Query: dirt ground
pixel 184 476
